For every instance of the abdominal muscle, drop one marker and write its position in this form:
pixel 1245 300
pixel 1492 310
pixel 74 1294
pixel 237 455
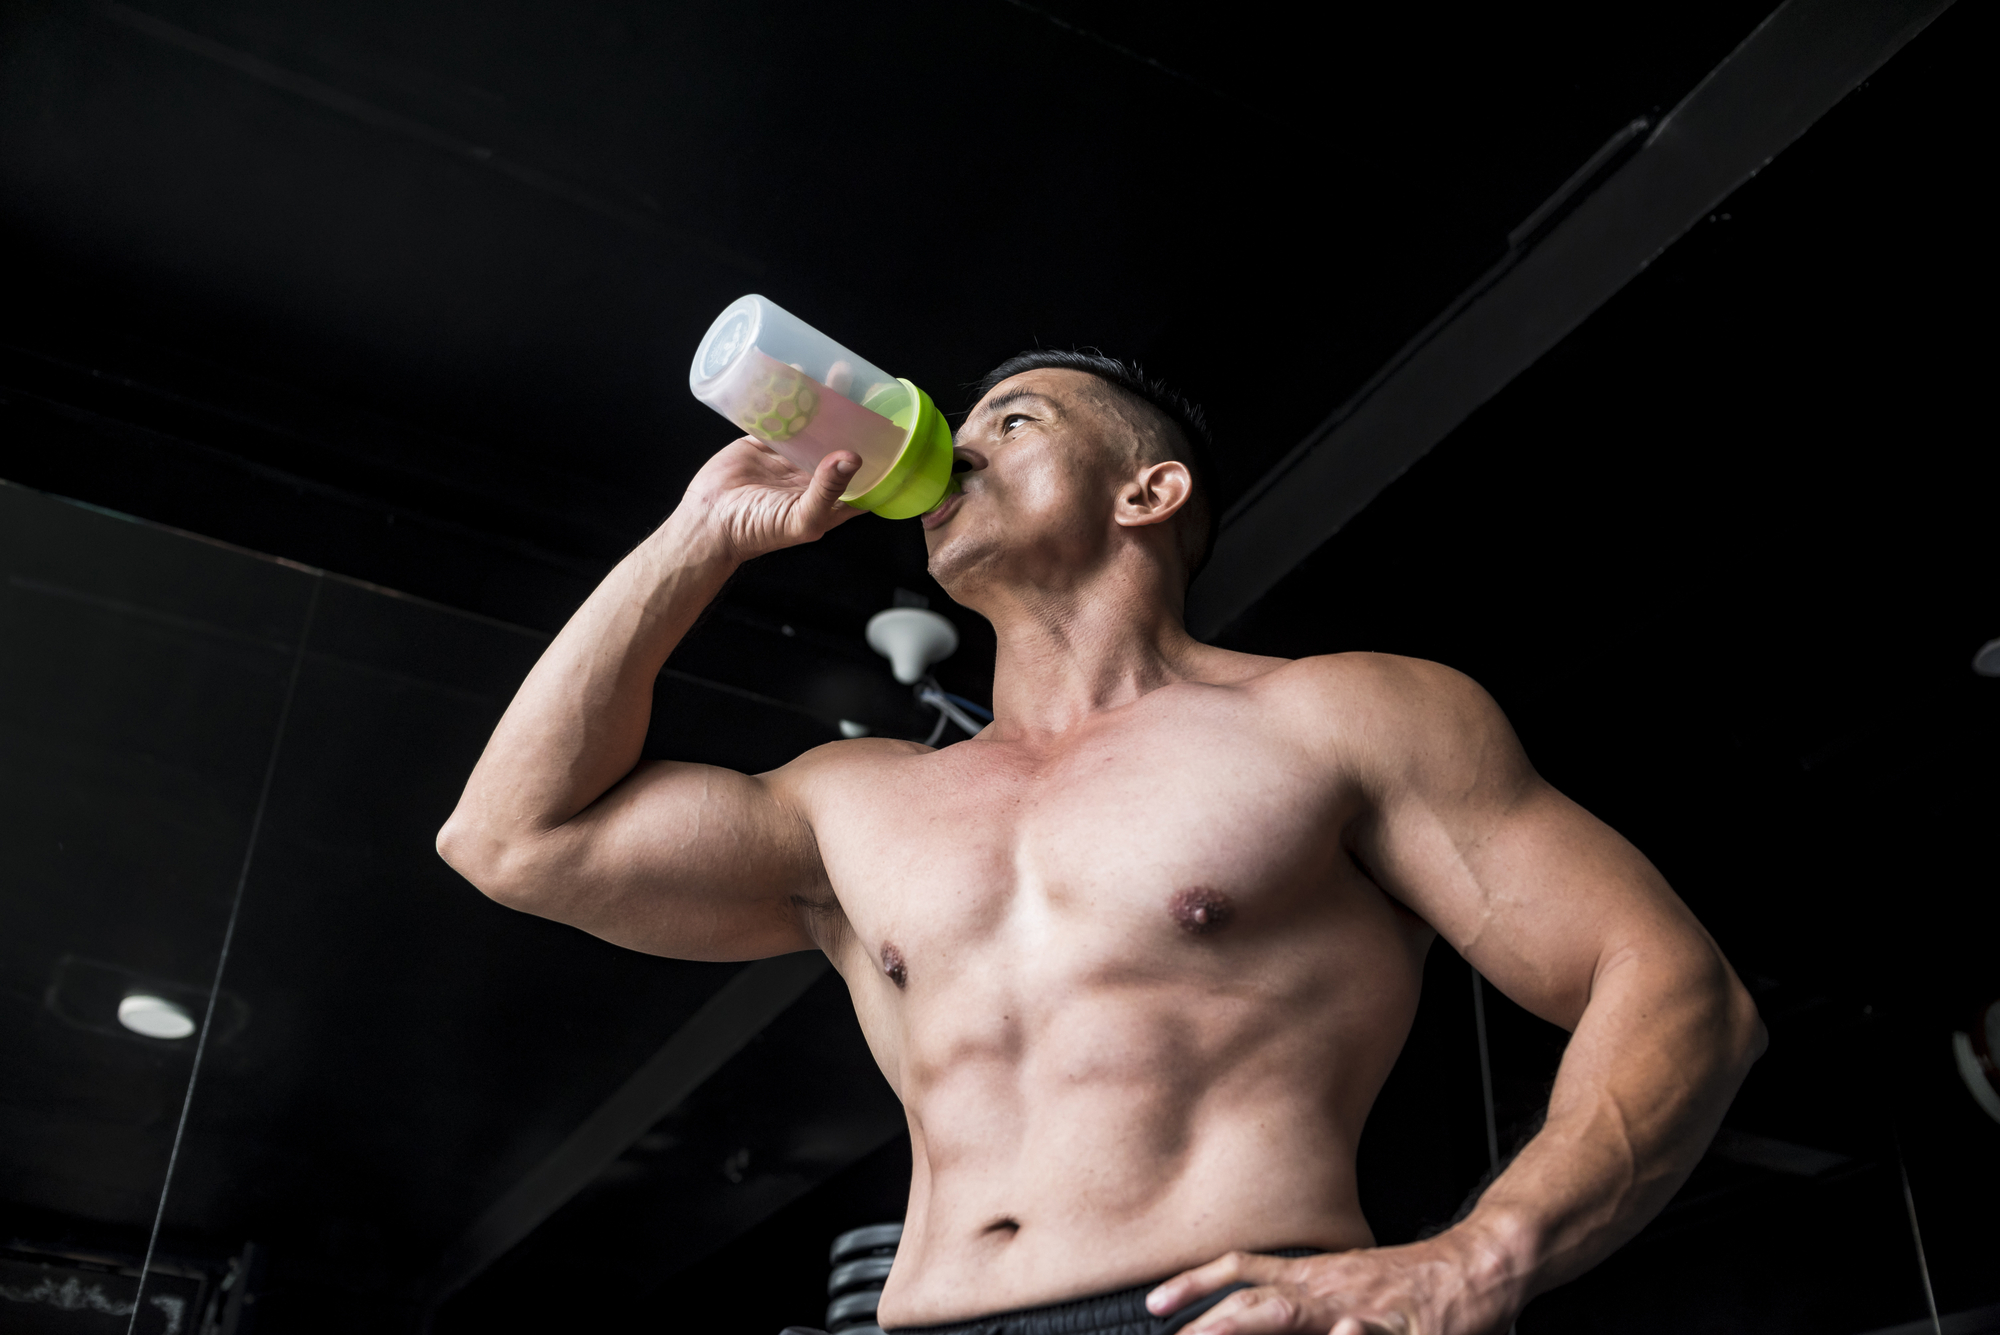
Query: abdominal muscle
pixel 1076 1139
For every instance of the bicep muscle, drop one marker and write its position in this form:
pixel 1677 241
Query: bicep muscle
pixel 691 861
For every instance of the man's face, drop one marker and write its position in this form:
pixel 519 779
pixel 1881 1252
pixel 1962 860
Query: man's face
pixel 1040 460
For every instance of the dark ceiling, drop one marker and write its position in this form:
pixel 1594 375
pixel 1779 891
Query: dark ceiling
pixel 405 295
pixel 442 269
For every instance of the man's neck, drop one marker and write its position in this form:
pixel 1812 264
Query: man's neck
pixel 1067 653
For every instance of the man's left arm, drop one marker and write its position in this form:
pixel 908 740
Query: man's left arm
pixel 1568 919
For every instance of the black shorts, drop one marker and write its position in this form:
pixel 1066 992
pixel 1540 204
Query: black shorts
pixel 1120 1313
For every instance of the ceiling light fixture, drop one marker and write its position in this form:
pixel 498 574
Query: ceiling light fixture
pixel 1987 661
pixel 1975 1055
pixel 155 1017
pixel 911 638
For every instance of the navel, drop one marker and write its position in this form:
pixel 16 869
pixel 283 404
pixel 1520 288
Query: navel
pixel 1199 909
pixel 892 964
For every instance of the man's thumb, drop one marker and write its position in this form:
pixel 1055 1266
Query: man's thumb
pixel 830 479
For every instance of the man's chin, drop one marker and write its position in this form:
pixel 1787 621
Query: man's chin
pixel 955 558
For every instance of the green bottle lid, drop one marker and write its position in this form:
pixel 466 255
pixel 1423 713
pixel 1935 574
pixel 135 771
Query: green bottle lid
pixel 918 478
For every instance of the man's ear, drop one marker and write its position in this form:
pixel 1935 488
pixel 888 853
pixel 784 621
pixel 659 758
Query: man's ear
pixel 1154 495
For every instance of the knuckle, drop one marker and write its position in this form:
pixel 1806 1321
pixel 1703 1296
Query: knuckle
pixel 1270 1304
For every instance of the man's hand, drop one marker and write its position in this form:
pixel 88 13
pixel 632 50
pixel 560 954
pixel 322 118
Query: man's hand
pixel 1446 1285
pixel 757 501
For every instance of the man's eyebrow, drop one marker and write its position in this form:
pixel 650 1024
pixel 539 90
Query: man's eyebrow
pixel 992 406
pixel 1014 396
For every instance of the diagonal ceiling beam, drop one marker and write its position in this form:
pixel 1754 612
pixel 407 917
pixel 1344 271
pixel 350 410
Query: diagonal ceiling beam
pixel 1612 219
pixel 718 1031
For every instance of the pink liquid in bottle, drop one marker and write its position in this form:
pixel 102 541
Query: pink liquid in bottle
pixel 802 419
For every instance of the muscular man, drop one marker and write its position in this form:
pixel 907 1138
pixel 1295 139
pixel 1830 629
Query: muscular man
pixel 1139 956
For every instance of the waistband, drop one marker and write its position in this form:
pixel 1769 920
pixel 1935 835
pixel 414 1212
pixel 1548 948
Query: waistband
pixel 1120 1313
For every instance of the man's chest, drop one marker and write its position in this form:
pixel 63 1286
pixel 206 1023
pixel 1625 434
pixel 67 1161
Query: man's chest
pixel 1203 829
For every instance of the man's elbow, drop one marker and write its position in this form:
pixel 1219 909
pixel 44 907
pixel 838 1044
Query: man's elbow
pixel 1719 1017
pixel 492 864
pixel 1747 1026
pixel 1741 1033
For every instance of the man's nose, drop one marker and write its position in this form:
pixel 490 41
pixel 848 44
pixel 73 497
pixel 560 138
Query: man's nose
pixel 964 460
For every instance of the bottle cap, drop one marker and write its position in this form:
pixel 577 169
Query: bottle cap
pixel 921 473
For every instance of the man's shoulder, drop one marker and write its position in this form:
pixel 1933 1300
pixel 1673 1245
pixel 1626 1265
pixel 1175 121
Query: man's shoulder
pixel 834 770
pixel 1376 700
pixel 1377 679
pixel 847 757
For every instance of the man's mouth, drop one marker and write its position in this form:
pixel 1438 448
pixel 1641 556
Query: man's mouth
pixel 943 510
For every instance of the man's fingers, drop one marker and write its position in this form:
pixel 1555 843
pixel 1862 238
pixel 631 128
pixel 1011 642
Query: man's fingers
pixel 1184 1288
pixel 1254 1312
pixel 1273 1312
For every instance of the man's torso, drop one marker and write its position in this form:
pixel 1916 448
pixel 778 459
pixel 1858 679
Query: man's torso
pixel 1133 990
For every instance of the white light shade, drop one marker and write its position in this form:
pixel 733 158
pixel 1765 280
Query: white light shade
pixel 1973 1072
pixel 911 638
pixel 155 1017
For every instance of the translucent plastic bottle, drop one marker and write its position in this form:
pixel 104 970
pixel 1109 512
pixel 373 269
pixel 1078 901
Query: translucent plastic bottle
pixel 779 379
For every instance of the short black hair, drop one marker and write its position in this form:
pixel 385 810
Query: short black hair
pixel 1185 414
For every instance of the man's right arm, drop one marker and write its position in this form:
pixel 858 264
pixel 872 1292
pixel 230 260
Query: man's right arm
pixel 562 819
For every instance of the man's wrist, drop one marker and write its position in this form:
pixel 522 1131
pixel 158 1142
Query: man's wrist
pixel 694 537
pixel 1500 1251
pixel 671 576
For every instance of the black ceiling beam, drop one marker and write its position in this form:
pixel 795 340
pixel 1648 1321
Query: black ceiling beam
pixel 1634 198
pixel 697 1050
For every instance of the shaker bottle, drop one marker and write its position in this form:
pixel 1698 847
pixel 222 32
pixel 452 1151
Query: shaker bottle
pixel 779 379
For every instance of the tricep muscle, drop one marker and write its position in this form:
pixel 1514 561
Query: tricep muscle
pixel 1535 891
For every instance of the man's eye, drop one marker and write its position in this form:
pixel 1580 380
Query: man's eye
pixel 1007 422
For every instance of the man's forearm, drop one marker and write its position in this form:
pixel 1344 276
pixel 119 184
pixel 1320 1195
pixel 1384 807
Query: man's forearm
pixel 1655 1061
pixel 578 722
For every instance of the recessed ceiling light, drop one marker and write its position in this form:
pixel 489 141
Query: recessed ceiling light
pixel 155 1017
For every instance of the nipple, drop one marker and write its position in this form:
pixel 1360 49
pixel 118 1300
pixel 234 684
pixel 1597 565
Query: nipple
pixel 892 964
pixel 1200 910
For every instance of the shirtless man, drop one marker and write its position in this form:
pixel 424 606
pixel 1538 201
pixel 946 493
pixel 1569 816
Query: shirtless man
pixel 1139 956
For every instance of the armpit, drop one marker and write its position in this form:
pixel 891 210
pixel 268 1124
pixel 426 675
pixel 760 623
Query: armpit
pixel 824 921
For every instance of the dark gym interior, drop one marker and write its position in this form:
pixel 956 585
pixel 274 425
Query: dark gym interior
pixel 343 352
